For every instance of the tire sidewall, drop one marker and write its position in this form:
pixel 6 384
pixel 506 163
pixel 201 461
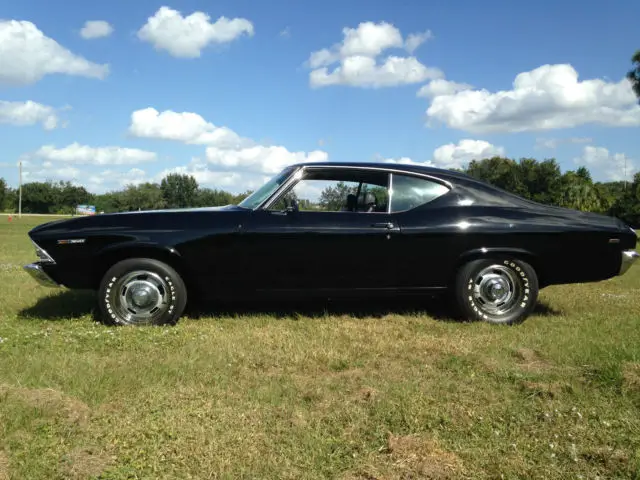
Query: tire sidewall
pixel 524 273
pixel 177 298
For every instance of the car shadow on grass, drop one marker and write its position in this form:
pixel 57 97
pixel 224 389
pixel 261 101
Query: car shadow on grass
pixel 73 304
pixel 436 308
pixel 65 305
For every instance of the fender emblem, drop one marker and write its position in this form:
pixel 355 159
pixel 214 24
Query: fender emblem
pixel 71 241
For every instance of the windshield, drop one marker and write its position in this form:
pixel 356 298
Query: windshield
pixel 261 194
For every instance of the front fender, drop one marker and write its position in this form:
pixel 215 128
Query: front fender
pixel 112 254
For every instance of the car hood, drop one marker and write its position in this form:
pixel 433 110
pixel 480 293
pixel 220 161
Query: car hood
pixel 125 219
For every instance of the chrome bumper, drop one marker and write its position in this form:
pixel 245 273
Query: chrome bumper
pixel 628 258
pixel 40 276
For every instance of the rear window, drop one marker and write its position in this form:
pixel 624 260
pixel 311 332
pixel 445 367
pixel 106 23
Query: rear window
pixel 409 192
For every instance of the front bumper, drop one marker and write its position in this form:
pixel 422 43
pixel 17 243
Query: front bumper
pixel 40 276
pixel 629 257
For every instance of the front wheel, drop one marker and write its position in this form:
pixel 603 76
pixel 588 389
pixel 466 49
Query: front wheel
pixel 496 290
pixel 141 291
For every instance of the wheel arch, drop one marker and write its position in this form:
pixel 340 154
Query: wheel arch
pixel 519 253
pixel 109 256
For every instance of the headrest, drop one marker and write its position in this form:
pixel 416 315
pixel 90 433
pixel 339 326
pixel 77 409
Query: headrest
pixel 352 201
pixel 370 199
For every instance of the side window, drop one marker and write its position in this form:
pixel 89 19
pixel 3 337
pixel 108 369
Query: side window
pixel 327 190
pixel 408 192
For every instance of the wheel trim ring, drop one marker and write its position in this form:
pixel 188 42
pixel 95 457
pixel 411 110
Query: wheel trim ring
pixel 122 297
pixel 508 279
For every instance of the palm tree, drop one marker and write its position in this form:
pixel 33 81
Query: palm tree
pixel 580 192
pixel 634 74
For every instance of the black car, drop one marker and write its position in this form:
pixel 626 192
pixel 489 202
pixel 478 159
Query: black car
pixel 334 229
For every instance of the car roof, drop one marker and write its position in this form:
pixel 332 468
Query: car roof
pixel 404 167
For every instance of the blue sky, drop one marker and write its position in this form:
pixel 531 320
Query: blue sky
pixel 255 79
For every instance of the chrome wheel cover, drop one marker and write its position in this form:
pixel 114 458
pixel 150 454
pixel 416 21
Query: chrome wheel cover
pixel 496 290
pixel 140 297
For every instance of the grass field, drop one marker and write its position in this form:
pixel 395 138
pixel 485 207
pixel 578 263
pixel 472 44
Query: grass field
pixel 316 391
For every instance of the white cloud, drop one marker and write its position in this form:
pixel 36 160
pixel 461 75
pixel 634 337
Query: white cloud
pixel 553 143
pixel 440 86
pixel 109 180
pixel 99 182
pixel 234 182
pixel 184 127
pixel 360 71
pixel 226 149
pixel 548 97
pixel 408 161
pixel 414 40
pixel 454 155
pixel 259 158
pixel 28 113
pixel 85 155
pixel 186 37
pixel 46 172
pixel 606 165
pixel 358 60
pixel 96 29
pixel 286 32
pixel 458 156
pixel 27 55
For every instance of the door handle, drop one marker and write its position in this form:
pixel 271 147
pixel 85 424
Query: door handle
pixel 386 225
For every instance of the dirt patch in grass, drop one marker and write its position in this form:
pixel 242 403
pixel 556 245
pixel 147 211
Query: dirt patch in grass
pixel 367 394
pixel 543 390
pixel 410 456
pixel 612 458
pixel 4 466
pixel 529 359
pixel 52 401
pixel 85 463
pixel 631 376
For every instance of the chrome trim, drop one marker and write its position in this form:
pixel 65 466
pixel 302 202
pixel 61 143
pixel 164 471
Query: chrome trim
pixel 629 257
pixel 40 276
pixel 267 203
pixel 275 195
pixel 42 254
pixel 390 192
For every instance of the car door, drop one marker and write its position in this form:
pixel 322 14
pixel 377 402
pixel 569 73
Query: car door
pixel 323 245
pixel 426 246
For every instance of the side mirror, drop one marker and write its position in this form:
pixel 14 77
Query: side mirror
pixel 293 206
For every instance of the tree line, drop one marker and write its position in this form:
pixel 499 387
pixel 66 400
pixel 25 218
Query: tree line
pixel 541 181
pixel 174 191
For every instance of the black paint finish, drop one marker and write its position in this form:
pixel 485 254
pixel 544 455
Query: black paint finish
pixel 231 250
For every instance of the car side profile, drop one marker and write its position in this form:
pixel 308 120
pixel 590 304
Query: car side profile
pixel 327 228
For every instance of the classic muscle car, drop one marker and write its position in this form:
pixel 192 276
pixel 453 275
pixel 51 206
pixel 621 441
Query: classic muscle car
pixel 331 229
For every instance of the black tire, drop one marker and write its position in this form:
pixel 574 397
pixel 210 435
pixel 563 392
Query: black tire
pixel 141 291
pixel 498 290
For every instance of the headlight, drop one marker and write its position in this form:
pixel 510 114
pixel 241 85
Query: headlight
pixel 42 254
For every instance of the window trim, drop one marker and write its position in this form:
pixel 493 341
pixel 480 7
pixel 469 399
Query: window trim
pixel 290 184
pixel 298 174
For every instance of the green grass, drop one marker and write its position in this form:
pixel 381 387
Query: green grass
pixel 317 393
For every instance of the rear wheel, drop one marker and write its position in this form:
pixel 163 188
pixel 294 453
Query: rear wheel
pixel 141 291
pixel 499 290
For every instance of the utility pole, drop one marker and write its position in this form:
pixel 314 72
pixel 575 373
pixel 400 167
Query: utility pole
pixel 20 189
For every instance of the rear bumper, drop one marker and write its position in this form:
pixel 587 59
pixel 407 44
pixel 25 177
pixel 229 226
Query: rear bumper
pixel 39 275
pixel 629 257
